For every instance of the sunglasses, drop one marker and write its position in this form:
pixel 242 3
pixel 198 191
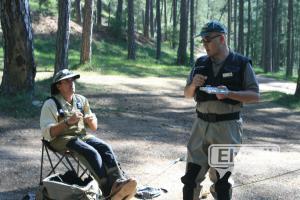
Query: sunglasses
pixel 207 39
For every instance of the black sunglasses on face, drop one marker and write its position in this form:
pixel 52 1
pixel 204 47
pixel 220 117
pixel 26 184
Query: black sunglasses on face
pixel 209 39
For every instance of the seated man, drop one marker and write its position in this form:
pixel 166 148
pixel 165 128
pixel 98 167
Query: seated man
pixel 65 129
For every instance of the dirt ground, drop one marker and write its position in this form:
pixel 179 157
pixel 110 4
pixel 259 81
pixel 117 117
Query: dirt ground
pixel 147 122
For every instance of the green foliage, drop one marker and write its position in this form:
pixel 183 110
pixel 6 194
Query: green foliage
pixel 282 99
pixel 48 7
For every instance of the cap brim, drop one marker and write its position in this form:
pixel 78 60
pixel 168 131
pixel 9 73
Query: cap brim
pixel 74 76
pixel 201 35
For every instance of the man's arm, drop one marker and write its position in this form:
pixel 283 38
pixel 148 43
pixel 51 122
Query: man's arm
pixel 190 89
pixel 246 96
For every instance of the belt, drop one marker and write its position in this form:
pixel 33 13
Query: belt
pixel 211 117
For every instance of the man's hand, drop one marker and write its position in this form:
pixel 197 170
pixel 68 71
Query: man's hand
pixel 89 118
pixel 222 96
pixel 198 80
pixel 74 119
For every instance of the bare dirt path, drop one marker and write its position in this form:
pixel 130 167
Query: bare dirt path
pixel 147 121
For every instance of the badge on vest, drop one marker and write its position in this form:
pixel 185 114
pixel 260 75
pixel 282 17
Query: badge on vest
pixel 227 75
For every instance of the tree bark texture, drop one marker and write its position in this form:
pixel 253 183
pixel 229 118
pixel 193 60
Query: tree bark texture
pixel 181 52
pixel 87 32
pixel 192 33
pixel 241 27
pixel 229 11
pixel 19 66
pixel 130 32
pixel 62 37
pixel 117 27
pixel 174 32
pixel 147 19
pixel 268 38
pixel 289 66
pixel 99 13
pixel 158 30
pixel 151 19
pixel 78 11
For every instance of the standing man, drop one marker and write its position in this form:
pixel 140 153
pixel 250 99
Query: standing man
pixel 65 128
pixel 218 115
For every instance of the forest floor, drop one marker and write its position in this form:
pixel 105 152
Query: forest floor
pixel 147 121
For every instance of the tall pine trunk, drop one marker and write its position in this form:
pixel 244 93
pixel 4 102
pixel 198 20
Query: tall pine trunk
pixel 62 37
pixel 99 13
pixel 181 52
pixel 87 32
pixel 289 65
pixel 158 32
pixel 130 32
pixel 78 11
pixel 192 33
pixel 19 68
pixel 241 27
pixel 229 11
pixel 147 19
pixel 174 31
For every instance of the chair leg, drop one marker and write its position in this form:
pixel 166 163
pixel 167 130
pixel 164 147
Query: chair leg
pixel 42 161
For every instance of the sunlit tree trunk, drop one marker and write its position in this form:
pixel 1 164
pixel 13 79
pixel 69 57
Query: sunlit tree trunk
pixel 19 68
pixel 87 32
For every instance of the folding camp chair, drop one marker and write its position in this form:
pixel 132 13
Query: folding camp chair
pixel 66 158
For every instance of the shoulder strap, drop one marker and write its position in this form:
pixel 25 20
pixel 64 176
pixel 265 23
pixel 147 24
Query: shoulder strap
pixel 58 106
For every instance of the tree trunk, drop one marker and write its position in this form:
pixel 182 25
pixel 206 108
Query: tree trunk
pixel 158 32
pixel 151 19
pixel 192 33
pixel 130 32
pixel 117 27
pixel 181 52
pixel 249 31
pixel 229 21
pixel 268 38
pixel 147 19
pixel 19 68
pixel 275 45
pixel 235 25
pixel 166 21
pixel 87 32
pixel 241 27
pixel 297 92
pixel 62 38
pixel 99 13
pixel 78 11
pixel 289 66
pixel 174 32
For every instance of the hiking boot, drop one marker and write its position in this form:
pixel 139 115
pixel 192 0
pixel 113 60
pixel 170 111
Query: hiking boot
pixel 123 189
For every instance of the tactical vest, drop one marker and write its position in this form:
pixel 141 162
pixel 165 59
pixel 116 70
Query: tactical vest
pixel 231 75
pixel 77 129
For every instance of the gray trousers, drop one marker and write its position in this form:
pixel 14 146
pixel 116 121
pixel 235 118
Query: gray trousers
pixel 204 134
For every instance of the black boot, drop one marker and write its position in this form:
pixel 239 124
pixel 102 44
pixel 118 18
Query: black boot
pixel 223 187
pixel 189 180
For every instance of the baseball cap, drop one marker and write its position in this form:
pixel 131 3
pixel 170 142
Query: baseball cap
pixel 61 75
pixel 212 26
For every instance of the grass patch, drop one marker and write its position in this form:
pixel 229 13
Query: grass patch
pixel 277 75
pixel 282 99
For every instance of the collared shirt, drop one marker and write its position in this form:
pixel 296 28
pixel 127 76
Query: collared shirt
pixel 50 116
